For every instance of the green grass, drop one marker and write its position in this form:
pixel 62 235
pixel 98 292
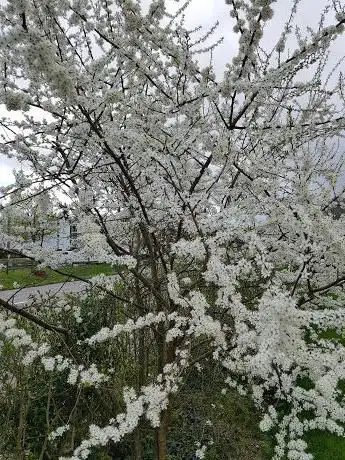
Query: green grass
pixel 25 276
pixel 325 446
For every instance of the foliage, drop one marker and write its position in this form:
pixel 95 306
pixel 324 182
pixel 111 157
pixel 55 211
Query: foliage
pixel 210 196
pixel 46 403
pixel 224 421
pixel 42 401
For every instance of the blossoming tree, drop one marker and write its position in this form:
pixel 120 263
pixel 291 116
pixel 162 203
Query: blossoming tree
pixel 210 196
pixel 32 219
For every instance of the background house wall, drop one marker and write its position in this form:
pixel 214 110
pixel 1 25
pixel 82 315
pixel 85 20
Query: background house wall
pixel 64 239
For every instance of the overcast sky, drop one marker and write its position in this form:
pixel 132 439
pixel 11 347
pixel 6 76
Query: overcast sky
pixel 206 13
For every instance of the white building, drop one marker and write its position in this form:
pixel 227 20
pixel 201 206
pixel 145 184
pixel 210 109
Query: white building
pixel 64 239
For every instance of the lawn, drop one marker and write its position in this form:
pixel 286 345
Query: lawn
pixel 326 446
pixel 25 276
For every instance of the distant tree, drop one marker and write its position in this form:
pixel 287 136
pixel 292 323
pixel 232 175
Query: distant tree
pixel 29 216
pixel 208 195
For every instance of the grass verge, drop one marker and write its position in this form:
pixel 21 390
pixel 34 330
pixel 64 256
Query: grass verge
pixel 325 446
pixel 26 277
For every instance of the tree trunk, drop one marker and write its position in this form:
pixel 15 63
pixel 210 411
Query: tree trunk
pixel 166 354
pixel 139 338
pixel 138 448
pixel 23 410
pixel 161 437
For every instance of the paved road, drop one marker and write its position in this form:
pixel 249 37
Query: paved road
pixel 24 296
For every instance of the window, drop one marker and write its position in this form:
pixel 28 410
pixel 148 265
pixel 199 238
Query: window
pixel 73 235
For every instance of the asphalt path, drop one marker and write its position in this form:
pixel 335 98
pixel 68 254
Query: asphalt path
pixel 25 296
